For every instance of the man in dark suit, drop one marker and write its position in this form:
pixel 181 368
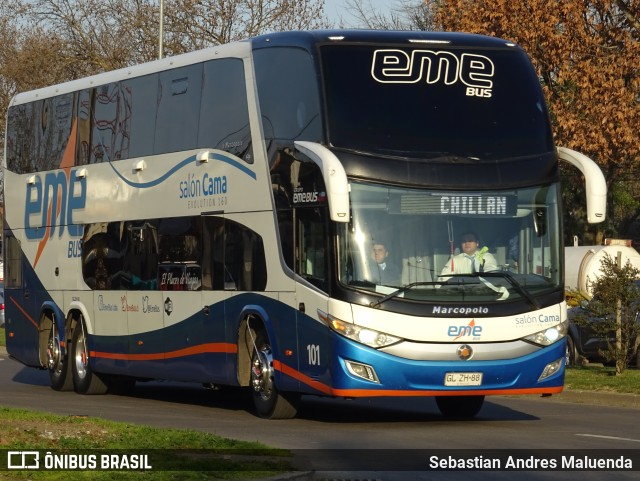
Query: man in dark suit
pixel 385 271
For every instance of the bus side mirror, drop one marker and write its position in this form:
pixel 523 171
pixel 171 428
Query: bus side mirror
pixel 540 221
pixel 595 184
pixel 335 178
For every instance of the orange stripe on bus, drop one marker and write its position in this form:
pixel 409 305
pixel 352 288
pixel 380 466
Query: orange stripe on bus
pixel 158 356
pixel 24 312
pixel 289 371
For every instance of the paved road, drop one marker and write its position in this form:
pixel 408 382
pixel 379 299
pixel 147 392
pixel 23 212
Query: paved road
pixel 325 425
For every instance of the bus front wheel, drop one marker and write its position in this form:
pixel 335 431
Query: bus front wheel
pixel 85 381
pixel 459 406
pixel 268 401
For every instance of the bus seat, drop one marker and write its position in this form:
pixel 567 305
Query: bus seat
pixel 501 256
pixel 440 261
pixel 416 269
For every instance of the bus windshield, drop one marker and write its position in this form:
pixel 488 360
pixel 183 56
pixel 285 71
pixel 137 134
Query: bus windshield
pixel 431 102
pixel 439 246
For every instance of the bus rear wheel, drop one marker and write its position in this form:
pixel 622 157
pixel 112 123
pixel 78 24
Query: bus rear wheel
pixel 268 401
pixel 459 406
pixel 58 363
pixel 85 381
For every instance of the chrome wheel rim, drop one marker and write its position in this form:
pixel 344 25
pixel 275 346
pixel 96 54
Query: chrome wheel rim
pixel 81 357
pixel 262 373
pixel 53 352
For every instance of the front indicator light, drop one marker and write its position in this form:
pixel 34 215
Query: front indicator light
pixel 550 369
pixel 369 337
pixel 363 371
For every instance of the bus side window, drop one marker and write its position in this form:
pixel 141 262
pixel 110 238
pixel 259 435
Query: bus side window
pixel 244 259
pixel 178 109
pixel 224 115
pixel 311 239
pixel 13 266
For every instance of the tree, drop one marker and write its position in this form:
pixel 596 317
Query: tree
pixel 406 15
pixel 197 24
pixel 615 306
pixel 586 54
pixel 44 42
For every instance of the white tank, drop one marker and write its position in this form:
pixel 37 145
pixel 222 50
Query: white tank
pixel 583 264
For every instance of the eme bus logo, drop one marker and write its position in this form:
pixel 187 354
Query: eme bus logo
pixel 465 331
pixel 433 67
pixel 49 206
pixel 51 203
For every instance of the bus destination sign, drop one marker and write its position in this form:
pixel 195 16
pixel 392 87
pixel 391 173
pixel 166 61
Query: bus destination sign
pixel 470 204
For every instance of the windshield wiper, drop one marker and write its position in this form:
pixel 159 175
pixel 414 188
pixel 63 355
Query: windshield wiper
pixel 513 281
pixel 399 291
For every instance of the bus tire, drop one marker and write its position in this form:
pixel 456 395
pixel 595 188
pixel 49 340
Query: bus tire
pixel 58 363
pixel 269 403
pixel 571 355
pixel 459 406
pixel 85 381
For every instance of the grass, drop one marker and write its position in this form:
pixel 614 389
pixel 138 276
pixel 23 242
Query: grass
pixel 174 454
pixel 596 377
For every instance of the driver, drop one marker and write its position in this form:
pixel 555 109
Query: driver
pixel 471 259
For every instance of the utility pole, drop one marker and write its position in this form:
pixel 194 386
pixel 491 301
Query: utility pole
pixel 619 363
pixel 161 35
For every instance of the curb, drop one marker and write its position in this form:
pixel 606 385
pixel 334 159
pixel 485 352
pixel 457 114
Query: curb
pixel 598 398
pixel 293 476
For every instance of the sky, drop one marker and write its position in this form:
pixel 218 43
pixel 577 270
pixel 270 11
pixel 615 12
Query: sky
pixel 336 9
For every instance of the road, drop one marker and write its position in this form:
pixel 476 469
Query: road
pixel 397 428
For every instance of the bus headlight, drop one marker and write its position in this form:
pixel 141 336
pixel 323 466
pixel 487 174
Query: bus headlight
pixel 549 335
pixel 364 335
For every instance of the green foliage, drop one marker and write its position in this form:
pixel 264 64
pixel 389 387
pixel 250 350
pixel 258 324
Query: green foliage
pixel 615 303
pixel 176 454
pixel 573 297
pixel 596 377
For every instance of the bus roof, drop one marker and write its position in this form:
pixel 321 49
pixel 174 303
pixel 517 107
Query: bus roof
pixel 407 37
pixel 235 49
pixel 304 39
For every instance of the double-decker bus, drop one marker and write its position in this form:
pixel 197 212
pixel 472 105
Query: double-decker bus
pixel 212 218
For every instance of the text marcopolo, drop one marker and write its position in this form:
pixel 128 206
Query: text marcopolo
pixel 460 310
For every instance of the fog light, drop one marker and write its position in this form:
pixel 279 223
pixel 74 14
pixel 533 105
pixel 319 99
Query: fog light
pixel 550 369
pixel 363 371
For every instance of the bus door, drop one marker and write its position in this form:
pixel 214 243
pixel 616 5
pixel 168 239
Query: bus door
pixel 139 297
pixel 311 239
pixel 187 299
pixel 234 279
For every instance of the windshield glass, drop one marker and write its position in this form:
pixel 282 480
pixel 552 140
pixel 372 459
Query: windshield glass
pixel 499 245
pixel 428 102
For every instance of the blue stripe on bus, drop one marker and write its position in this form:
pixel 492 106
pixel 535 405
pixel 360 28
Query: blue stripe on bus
pixel 223 158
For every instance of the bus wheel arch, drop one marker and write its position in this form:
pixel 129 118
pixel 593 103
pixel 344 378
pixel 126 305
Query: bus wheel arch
pixel 256 369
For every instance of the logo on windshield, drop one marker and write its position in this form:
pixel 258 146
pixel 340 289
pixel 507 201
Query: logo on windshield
pixel 434 67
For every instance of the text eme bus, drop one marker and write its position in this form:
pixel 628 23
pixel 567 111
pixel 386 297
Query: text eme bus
pixel 332 213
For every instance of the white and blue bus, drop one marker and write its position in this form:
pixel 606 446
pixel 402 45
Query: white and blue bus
pixel 211 218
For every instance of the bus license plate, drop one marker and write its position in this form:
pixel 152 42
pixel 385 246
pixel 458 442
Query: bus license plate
pixel 463 379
